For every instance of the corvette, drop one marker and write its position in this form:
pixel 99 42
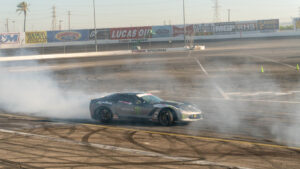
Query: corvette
pixel 142 106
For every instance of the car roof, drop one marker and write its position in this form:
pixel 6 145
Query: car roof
pixel 132 93
pixel 126 93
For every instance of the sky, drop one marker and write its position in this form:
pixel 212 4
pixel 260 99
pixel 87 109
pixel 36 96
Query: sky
pixel 126 13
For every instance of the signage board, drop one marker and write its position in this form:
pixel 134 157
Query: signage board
pixel 68 36
pixel 131 33
pixel 36 37
pixel 267 25
pixel 9 38
pixel 161 31
pixel 178 30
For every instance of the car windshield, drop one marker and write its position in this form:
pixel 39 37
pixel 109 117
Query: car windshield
pixel 148 98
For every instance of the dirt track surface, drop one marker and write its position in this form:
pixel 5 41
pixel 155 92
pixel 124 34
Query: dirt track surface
pixel 41 144
pixel 247 113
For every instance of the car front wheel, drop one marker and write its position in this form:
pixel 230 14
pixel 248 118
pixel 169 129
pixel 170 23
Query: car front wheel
pixel 165 117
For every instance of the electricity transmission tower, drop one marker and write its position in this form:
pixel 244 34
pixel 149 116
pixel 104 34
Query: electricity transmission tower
pixel 216 8
pixel 53 18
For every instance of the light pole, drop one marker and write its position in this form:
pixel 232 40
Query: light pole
pixel 69 19
pixel 184 26
pixel 228 15
pixel 7 26
pixel 60 21
pixel 95 29
pixel 14 25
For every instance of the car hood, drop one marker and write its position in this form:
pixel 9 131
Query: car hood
pixel 182 106
pixel 172 103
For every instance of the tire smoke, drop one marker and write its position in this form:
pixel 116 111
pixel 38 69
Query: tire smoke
pixel 38 94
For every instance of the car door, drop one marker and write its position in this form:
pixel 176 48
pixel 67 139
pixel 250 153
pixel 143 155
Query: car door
pixel 141 108
pixel 124 106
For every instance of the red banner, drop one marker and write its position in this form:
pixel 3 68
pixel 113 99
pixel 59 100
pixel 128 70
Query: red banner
pixel 179 30
pixel 131 33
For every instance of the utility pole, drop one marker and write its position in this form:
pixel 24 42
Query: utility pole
pixel 53 18
pixel 60 21
pixel 229 15
pixel 184 26
pixel 95 27
pixel 7 27
pixel 14 25
pixel 69 18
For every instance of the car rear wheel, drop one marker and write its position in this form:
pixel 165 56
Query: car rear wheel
pixel 105 115
pixel 166 117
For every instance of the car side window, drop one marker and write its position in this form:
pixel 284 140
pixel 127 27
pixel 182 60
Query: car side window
pixel 125 99
pixel 136 100
pixel 129 99
pixel 113 98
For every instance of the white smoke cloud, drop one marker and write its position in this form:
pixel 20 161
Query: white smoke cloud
pixel 257 119
pixel 37 93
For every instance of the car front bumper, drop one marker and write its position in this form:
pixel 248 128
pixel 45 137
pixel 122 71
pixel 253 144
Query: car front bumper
pixel 191 116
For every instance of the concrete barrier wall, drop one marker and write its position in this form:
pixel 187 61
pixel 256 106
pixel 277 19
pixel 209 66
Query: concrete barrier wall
pixel 240 35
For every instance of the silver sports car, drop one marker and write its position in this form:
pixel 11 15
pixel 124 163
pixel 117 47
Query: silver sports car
pixel 142 106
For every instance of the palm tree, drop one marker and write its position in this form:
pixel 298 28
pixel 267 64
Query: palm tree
pixel 23 8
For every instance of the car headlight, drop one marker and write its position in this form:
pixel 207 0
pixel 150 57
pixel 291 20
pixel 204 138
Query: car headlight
pixel 191 114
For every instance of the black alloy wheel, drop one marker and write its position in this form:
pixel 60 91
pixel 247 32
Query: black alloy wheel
pixel 105 115
pixel 165 117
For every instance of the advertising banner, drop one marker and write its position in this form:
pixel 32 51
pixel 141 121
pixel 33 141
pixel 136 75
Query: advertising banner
pixel 9 38
pixel 101 34
pixel 178 30
pixel 268 25
pixel 161 31
pixel 131 33
pixel 246 26
pixel 68 36
pixel 35 37
pixel 204 29
pixel 224 27
pixel 297 23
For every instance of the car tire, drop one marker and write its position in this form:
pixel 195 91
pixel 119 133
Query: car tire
pixel 105 115
pixel 166 117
